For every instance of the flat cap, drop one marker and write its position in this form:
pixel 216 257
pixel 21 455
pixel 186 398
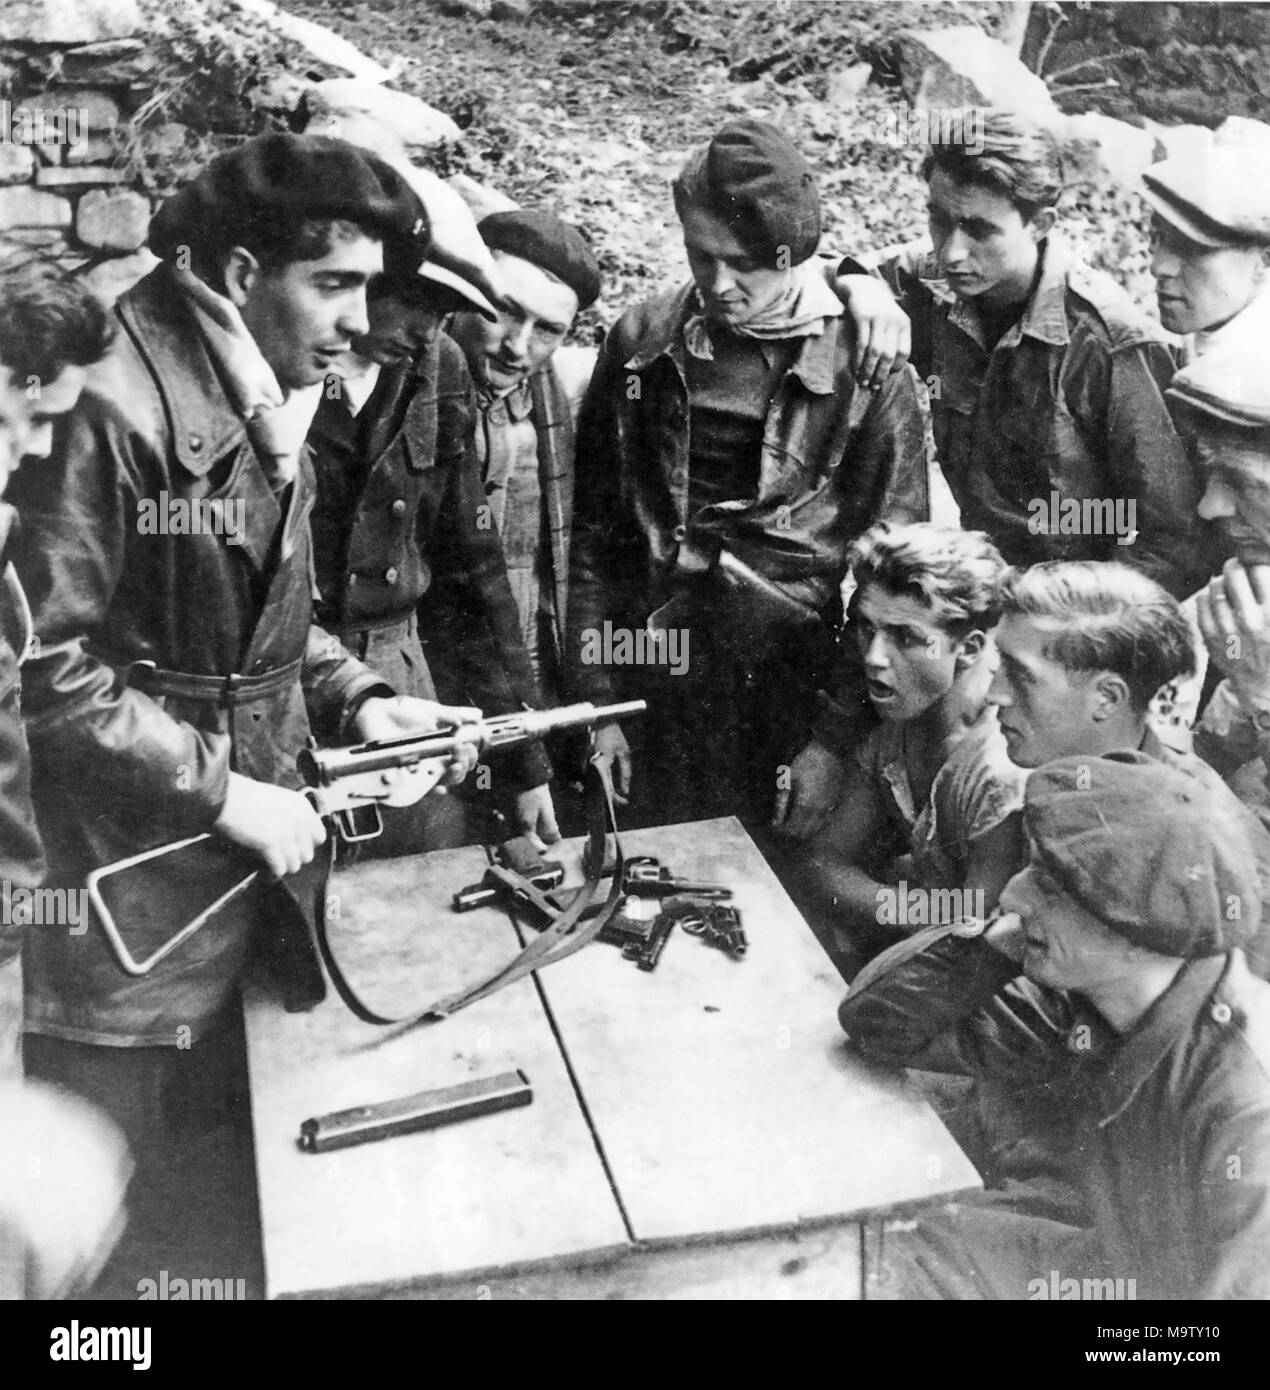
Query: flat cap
pixel 268 184
pixel 1163 859
pixel 1229 381
pixel 752 177
pixel 1218 196
pixel 547 242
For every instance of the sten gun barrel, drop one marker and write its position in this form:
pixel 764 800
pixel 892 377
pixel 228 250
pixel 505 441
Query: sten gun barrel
pixel 345 781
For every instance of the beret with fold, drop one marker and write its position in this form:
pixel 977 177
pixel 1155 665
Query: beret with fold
pixel 547 242
pixel 1161 858
pixel 270 183
pixel 754 179
pixel 1217 196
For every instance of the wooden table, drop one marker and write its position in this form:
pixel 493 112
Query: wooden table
pixel 697 1131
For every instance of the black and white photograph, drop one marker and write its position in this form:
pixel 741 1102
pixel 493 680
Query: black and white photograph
pixel 634 659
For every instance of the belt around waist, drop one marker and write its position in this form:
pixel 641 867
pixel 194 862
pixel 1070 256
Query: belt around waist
pixel 402 621
pixel 225 691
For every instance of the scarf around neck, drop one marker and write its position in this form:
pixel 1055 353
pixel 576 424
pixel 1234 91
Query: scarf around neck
pixel 800 312
pixel 277 422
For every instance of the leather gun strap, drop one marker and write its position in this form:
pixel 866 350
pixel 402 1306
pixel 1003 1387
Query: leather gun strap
pixel 557 942
pixel 561 939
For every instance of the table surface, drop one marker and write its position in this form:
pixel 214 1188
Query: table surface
pixel 681 1118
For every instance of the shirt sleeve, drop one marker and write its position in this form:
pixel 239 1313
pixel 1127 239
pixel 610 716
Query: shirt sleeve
pixel 978 789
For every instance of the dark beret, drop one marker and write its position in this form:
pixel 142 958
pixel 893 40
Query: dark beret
pixel 267 185
pixel 1162 858
pixel 755 180
pixel 548 243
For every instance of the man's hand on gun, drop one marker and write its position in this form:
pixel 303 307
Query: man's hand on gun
pixel 403 716
pixel 611 744
pixel 281 825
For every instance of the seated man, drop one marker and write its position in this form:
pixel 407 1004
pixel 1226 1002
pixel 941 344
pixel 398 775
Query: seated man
pixel 409 567
pixel 726 458
pixel 932 782
pixel 1138 1019
pixel 1084 646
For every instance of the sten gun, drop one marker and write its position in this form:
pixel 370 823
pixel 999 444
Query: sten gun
pixel 345 783
pixel 400 771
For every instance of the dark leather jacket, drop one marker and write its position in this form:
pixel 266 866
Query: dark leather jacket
pixel 1168 1127
pixel 116 770
pixel 835 459
pixel 416 536
pixel 1069 401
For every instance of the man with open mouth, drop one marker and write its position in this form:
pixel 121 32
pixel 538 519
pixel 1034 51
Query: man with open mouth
pixel 932 782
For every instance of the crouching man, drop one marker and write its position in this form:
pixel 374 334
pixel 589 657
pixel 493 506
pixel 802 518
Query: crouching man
pixel 932 783
pixel 166 554
pixel 1137 1017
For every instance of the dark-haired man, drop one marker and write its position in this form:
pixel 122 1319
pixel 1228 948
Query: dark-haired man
pixel 1050 422
pixel 178 661
pixel 727 456
pixel 51 331
pixel 409 564
pixel 529 386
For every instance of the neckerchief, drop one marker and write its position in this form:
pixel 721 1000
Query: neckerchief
pixel 800 312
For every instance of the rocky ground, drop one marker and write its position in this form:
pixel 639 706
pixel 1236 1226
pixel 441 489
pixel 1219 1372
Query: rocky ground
pixel 590 109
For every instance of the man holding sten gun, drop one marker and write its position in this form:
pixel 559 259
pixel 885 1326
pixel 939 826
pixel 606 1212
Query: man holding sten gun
pixel 177 664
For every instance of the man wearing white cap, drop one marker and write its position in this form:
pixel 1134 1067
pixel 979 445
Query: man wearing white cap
pixel 409 564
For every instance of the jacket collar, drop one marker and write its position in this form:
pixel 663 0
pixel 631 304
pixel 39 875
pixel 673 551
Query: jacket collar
pixel 205 425
pixel 814 365
pixel 1044 318
pixel 1169 1022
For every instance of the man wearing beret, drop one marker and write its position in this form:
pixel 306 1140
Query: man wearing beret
pixel 1136 1016
pixel 410 569
pixel 727 457
pixel 529 387
pixel 178 662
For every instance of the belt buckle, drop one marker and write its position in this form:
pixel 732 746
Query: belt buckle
pixel 232 682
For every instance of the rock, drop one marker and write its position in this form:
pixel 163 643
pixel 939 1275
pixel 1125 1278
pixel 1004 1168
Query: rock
pixel 110 278
pixel 80 176
pixel 33 207
pixel 473 9
pixel 1240 130
pixel 282 91
pixel 347 107
pixel 510 9
pixel 1146 25
pixel 96 149
pixel 480 199
pixel 90 111
pixel 17 163
pixel 69 21
pixel 325 45
pixel 1100 147
pixel 111 64
pixel 1172 141
pixel 951 69
pixel 112 221
pixel 845 86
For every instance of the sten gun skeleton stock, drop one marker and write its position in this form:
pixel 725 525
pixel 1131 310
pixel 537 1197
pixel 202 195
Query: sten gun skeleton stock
pixel 349 786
